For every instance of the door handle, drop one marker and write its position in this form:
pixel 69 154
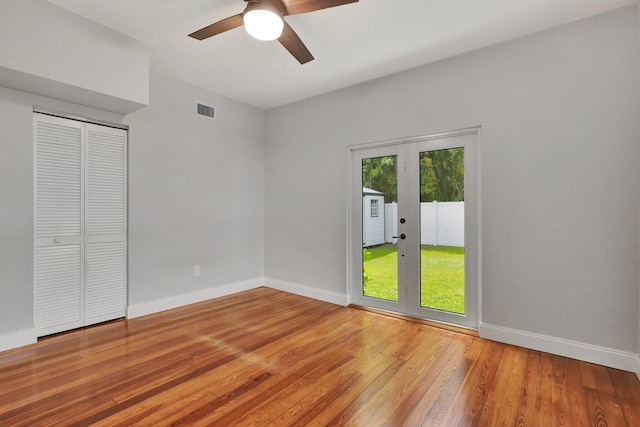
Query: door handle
pixel 402 236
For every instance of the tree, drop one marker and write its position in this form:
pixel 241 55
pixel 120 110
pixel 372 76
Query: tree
pixel 442 175
pixel 381 174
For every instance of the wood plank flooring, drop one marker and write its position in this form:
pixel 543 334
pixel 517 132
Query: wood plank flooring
pixel 269 358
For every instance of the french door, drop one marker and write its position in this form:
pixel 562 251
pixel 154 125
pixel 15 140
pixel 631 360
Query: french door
pixel 414 227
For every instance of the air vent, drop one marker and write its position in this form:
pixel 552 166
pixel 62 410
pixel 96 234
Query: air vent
pixel 205 110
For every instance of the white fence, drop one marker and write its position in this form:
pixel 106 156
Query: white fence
pixel 442 223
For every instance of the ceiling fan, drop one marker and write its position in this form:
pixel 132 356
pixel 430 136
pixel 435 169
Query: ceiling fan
pixel 264 20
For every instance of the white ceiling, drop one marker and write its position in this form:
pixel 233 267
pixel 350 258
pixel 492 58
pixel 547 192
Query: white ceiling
pixel 351 43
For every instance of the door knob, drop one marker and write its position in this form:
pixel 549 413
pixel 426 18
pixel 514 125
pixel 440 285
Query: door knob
pixel 402 236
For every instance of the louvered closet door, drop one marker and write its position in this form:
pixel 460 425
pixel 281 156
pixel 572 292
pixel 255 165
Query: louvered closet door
pixel 81 225
pixel 58 270
pixel 106 225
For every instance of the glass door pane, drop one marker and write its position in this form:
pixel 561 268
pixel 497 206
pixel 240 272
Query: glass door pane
pixel 379 241
pixel 442 236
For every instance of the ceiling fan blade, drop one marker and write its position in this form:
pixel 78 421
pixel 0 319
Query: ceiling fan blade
pixel 290 40
pixel 303 6
pixel 219 27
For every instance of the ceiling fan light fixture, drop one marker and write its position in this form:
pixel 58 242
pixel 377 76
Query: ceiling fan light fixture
pixel 263 21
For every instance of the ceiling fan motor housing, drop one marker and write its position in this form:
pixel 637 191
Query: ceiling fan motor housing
pixel 275 6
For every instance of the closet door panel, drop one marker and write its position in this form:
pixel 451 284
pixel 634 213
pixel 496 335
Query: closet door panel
pixel 58 178
pixel 106 278
pixel 106 224
pixel 106 181
pixel 58 232
pixel 58 294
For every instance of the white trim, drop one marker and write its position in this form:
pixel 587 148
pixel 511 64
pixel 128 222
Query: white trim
pixel 416 138
pixel 573 349
pixel 478 229
pixel 638 366
pixel 17 339
pixel 306 291
pixel 351 260
pixel 63 115
pixel 155 306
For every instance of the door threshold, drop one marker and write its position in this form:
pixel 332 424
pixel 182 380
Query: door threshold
pixel 441 325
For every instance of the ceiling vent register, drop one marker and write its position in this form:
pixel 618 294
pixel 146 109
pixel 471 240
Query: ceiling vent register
pixel 205 110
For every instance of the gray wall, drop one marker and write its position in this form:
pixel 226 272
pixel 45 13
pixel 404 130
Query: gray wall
pixel 196 192
pixel 16 212
pixel 559 168
pixel 195 195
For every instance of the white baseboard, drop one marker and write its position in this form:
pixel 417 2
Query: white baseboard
pixel 306 291
pixel 17 339
pixel 155 306
pixel 573 349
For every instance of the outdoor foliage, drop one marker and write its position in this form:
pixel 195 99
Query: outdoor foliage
pixel 441 272
pixel 442 278
pixel 366 256
pixel 441 175
pixel 381 174
pixel 380 272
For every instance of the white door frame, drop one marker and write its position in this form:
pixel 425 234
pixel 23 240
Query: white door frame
pixel 414 145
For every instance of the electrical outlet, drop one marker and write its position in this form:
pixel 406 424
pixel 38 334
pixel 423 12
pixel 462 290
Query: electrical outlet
pixel 196 270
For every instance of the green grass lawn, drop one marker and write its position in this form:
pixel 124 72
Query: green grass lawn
pixel 441 273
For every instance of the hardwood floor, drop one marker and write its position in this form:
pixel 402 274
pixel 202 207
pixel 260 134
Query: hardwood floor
pixel 265 357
